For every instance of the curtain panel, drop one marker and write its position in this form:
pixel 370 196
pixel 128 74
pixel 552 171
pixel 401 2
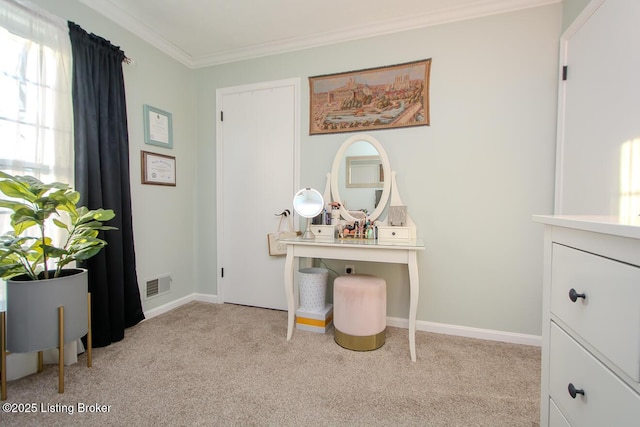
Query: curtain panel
pixel 102 178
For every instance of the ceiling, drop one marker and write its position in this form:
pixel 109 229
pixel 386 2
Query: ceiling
pixel 201 33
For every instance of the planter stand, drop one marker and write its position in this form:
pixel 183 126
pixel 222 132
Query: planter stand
pixel 4 353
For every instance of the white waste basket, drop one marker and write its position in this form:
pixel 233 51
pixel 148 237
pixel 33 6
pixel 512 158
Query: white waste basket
pixel 313 288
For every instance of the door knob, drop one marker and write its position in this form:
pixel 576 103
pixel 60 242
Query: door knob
pixel 573 295
pixel 573 391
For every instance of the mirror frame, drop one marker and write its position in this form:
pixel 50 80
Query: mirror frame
pixel 386 167
pixel 308 198
pixel 303 196
pixel 363 161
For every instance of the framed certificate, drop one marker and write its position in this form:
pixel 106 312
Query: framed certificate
pixel 158 169
pixel 158 127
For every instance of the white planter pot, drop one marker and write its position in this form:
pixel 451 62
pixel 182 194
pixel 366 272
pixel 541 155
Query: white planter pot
pixel 32 311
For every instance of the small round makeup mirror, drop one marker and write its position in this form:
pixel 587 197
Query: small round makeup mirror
pixel 308 203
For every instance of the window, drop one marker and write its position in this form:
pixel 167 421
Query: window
pixel 36 135
pixel 630 180
pixel 36 106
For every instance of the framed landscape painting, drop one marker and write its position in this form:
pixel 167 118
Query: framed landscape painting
pixel 376 98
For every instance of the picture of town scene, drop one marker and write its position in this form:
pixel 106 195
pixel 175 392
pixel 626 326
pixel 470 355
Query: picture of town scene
pixel 376 98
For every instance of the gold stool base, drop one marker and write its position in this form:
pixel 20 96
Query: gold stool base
pixel 358 343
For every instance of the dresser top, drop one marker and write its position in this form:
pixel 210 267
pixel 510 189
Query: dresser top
pixel 615 225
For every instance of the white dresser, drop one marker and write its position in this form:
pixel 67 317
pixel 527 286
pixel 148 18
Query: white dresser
pixel 591 322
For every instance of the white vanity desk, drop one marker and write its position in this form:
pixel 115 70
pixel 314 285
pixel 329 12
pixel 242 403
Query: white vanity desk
pixel 360 167
pixel 396 252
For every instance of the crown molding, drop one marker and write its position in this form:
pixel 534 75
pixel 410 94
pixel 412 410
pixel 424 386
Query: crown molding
pixel 475 9
pixel 120 17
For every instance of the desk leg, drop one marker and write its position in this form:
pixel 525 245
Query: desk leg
pixel 3 355
pixel 288 290
pixel 414 287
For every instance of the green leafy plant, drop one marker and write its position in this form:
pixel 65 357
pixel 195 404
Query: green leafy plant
pixel 29 249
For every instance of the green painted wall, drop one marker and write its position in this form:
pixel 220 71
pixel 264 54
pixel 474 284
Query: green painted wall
pixel 471 180
pixel 570 11
pixel 164 217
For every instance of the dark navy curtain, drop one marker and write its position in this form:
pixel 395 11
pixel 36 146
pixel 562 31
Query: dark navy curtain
pixel 102 178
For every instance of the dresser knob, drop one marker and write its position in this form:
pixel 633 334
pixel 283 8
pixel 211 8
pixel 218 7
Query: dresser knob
pixel 573 295
pixel 573 391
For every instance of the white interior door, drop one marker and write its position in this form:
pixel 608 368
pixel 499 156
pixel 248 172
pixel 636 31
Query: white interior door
pixel 598 162
pixel 257 150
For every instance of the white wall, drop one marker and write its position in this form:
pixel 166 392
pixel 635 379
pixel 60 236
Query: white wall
pixel 471 180
pixel 163 217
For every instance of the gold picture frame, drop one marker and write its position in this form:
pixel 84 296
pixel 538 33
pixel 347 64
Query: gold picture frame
pixel 158 169
pixel 394 96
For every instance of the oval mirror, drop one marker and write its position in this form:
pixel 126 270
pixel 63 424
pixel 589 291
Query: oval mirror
pixel 360 177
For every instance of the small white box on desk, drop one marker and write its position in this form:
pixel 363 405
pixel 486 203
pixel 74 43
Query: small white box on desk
pixel 323 231
pixel 395 233
pixel 315 321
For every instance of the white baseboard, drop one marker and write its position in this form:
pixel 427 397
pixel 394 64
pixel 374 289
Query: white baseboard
pixel 213 299
pixel 180 301
pixel 467 331
pixel 438 328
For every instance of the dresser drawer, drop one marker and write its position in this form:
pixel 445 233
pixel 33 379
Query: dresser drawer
pixel 607 401
pixel 607 316
pixel 556 419
pixel 393 233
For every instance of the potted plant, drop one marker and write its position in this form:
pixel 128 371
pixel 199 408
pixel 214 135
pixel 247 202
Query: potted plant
pixel 33 261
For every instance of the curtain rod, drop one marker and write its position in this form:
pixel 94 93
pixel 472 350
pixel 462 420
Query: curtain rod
pixel 50 18
pixel 72 26
pixel 41 13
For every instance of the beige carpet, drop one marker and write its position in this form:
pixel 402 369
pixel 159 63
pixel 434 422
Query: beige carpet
pixel 210 364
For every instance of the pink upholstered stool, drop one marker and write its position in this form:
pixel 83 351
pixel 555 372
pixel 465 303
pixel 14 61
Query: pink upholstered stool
pixel 359 311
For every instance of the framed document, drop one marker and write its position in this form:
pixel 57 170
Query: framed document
pixel 158 169
pixel 158 127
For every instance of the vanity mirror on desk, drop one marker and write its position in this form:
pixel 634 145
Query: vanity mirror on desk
pixel 363 186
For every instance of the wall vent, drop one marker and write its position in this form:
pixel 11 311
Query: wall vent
pixel 158 286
